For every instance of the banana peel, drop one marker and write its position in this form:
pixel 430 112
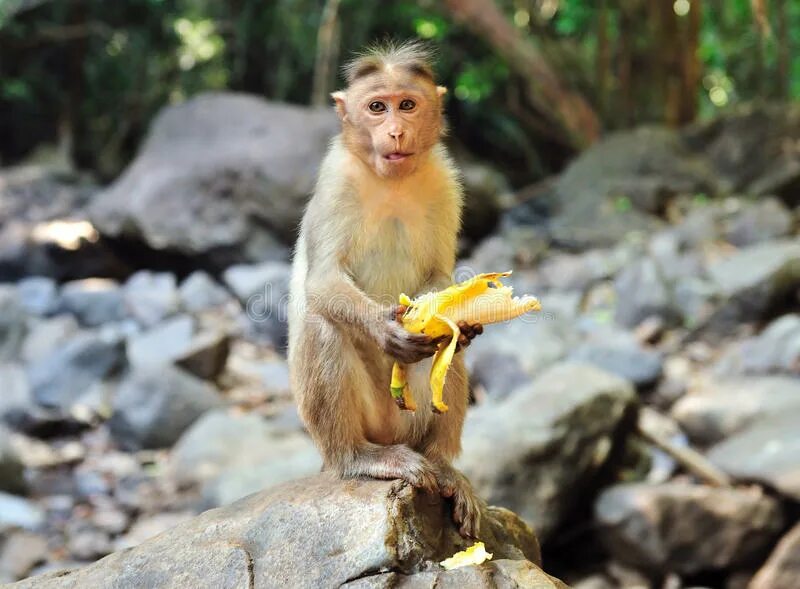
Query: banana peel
pixel 474 555
pixel 482 299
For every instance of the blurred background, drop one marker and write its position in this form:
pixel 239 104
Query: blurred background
pixel 637 163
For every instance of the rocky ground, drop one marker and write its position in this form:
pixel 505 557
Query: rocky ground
pixel 646 423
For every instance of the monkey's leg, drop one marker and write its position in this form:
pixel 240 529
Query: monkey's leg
pixel 442 445
pixel 344 414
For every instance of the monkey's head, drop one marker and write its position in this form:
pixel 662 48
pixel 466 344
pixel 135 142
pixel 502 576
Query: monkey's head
pixel 391 110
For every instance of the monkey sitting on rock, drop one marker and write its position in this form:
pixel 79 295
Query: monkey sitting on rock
pixel 383 220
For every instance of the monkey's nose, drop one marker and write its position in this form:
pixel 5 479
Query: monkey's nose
pixel 396 133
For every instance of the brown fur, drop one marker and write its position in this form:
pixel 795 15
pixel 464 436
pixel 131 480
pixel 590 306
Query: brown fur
pixel 374 228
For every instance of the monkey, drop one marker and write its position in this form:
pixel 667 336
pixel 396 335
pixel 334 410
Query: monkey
pixel 383 220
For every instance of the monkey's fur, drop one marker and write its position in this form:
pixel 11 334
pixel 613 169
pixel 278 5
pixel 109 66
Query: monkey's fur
pixel 383 220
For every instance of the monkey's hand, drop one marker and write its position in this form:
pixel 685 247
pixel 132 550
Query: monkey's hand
pixel 468 333
pixel 401 344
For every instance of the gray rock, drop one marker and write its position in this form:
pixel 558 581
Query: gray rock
pixel 12 477
pixel 486 193
pixel 782 569
pixel 623 357
pixel 774 350
pixel 62 377
pixel 263 289
pixel 206 355
pixel 766 451
pixel 199 292
pixel 217 175
pixel 38 295
pixel 16 512
pixel 47 335
pixel 312 533
pixel 643 291
pixel 275 375
pixel 87 543
pixel 720 408
pixel 536 451
pixel 498 373
pixel 763 220
pixel 20 553
pixel 161 345
pixel 150 526
pixel 686 528
pixel 16 401
pixel 93 301
pixel 12 323
pixel 153 406
pixel 150 297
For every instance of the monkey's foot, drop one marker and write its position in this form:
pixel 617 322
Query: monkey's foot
pixel 466 503
pixel 395 462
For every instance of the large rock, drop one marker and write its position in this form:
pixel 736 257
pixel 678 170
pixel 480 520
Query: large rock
pixel 683 528
pixel 766 451
pixel 620 354
pixel 720 408
pixel 93 301
pixel 782 569
pixel 16 401
pixel 12 323
pixel 151 296
pixel 776 349
pixel 318 532
pixel 536 452
pixel 153 406
pixel 218 175
pixel 263 290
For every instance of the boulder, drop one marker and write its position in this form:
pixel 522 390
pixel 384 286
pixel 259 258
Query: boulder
pixel 766 452
pixel 150 297
pixel 643 291
pixel 162 344
pixel 621 355
pixel 263 290
pixel 763 220
pixel 199 292
pixel 782 569
pixel 685 528
pixel 12 323
pixel 720 408
pixel 93 301
pixel 774 350
pixel 218 176
pixel 152 407
pixel 318 532
pixel 19 513
pixel 20 553
pixel 536 452
pixel 16 401
pixel 38 295
pixel 47 335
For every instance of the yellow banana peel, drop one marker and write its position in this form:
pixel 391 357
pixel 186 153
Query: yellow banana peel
pixel 475 554
pixel 482 299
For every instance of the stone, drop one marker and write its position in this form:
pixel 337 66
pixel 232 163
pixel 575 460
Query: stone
pixel 162 344
pixel 218 176
pixel 206 355
pixel 150 297
pixel 686 528
pixel 59 379
pixel 763 220
pixel 486 193
pixel 12 477
pixel 152 407
pixel 774 350
pixel 150 526
pixel 275 376
pixel 85 542
pixel 38 295
pixel 16 401
pixel 623 357
pixel 263 290
pixel 93 301
pixel 766 451
pixel 20 553
pixel 553 435
pixel 17 512
pixel 719 408
pixel 643 292
pixel 316 532
pixel 48 335
pixel 12 323
pixel 199 292
pixel 782 569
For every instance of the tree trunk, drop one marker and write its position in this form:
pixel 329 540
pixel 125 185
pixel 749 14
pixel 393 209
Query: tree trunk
pixel 327 51
pixel 784 50
pixel 572 115
pixel 603 58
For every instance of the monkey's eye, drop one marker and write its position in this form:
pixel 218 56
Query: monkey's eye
pixel 377 106
pixel 407 104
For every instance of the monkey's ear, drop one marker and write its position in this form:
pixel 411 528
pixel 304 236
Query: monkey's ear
pixel 441 91
pixel 341 108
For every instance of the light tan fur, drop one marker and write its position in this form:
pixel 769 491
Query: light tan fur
pixel 379 225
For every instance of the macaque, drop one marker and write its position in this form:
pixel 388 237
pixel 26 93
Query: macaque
pixel 383 221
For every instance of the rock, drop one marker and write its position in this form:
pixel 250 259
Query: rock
pixel 764 220
pixel 150 526
pixel 275 376
pixel 16 512
pixel 94 301
pixel 553 435
pixel 12 477
pixel 623 357
pixel 20 553
pixel 154 406
pixel 492 252
pixel 59 379
pixel 564 271
pixel 776 349
pixel 315 532
pixel 231 456
pixel 150 297
pixel 206 355
pixel 686 528
pixel 217 176
pixel 87 543
pixel 12 323
pixel 199 292
pixel 754 280
pixel 486 193
pixel 38 295
pixel 766 451
pixel 161 345
pixel 782 569
pixel 16 401
pixel 263 289
pixel 48 335
pixel 642 292
pixel 718 409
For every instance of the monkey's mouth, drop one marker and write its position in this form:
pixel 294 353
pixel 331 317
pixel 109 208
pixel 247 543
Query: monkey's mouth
pixel 397 156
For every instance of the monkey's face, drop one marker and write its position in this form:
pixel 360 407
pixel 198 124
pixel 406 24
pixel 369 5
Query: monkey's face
pixel 391 121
